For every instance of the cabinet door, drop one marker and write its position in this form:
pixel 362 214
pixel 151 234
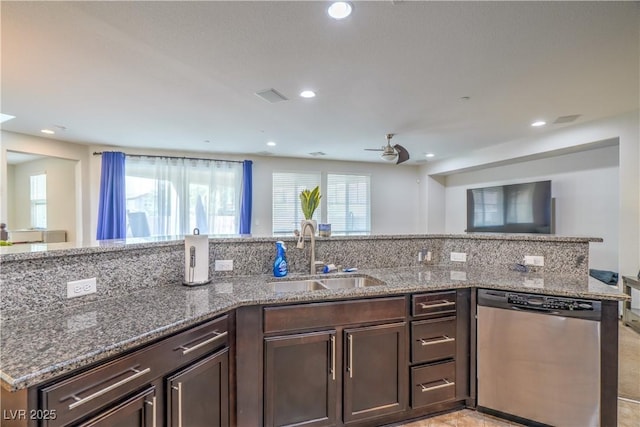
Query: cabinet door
pixel 300 380
pixel 136 411
pixel 376 374
pixel 198 396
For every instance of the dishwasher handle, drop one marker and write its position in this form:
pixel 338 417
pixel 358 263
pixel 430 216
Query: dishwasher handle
pixel 534 309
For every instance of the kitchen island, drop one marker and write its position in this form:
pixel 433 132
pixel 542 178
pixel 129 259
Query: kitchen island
pixel 41 349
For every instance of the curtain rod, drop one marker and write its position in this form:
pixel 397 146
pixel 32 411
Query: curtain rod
pixel 99 153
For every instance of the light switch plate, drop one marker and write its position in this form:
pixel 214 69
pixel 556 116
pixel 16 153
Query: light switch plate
pixel 78 288
pixel 534 260
pixel 459 256
pixel 224 265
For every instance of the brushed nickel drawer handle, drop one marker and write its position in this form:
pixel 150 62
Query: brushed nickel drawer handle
pixel 442 303
pixel 153 414
pixel 435 387
pixel 350 339
pixel 109 388
pixel 333 357
pixel 179 390
pixel 444 339
pixel 187 350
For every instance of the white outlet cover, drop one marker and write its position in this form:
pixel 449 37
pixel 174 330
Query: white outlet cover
pixel 459 256
pixel 78 288
pixel 224 265
pixel 534 260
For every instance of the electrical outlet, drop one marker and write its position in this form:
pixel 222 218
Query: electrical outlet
pixel 224 265
pixel 78 288
pixel 459 256
pixel 458 275
pixel 538 261
pixel 424 255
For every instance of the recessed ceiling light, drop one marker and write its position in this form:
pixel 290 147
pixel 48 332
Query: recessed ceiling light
pixel 538 123
pixel 340 9
pixel 429 155
pixel 5 117
pixel 47 131
pixel 307 94
pixel 271 144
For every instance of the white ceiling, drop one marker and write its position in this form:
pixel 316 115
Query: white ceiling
pixel 171 75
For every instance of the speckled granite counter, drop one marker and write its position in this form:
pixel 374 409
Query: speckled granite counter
pixel 40 347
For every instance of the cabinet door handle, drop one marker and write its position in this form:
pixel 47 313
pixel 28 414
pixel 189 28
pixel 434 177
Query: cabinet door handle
pixel 100 392
pixel 187 350
pixel 153 414
pixel 442 303
pixel 178 388
pixel 333 357
pixel 435 387
pixel 350 368
pixel 444 339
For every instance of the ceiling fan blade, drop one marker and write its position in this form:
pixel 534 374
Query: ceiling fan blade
pixel 374 149
pixel 403 154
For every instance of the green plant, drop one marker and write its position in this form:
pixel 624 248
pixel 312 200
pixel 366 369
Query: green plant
pixel 309 201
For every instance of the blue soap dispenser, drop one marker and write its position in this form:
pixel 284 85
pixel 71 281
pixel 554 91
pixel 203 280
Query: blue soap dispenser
pixel 280 268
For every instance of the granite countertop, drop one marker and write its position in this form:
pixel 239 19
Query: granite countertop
pixel 40 347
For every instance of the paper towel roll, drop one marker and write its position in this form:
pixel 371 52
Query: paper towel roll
pixel 196 259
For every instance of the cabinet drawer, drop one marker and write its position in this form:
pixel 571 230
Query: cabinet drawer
pixel 327 314
pixel 89 391
pixel 433 339
pixel 433 383
pixel 434 304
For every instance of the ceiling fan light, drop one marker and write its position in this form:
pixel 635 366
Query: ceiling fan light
pixel 389 157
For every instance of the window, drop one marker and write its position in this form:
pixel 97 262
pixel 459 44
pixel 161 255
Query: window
pixel 286 188
pixel 348 204
pixel 169 196
pixel 38 196
pixel 345 203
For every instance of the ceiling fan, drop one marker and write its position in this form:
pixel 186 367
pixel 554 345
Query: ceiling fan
pixel 391 153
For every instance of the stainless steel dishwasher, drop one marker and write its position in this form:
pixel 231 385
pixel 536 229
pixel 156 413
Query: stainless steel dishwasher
pixel 539 357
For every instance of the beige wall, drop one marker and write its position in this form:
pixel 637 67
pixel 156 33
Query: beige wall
pixel 61 195
pixel 57 149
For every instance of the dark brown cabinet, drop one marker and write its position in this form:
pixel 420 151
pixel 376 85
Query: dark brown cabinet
pixel 301 380
pixel 181 380
pixel 139 410
pixel 198 396
pixel 350 368
pixel 375 380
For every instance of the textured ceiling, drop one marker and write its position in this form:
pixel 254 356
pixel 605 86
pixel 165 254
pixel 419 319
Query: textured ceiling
pixel 171 75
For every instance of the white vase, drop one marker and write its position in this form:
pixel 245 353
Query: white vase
pixel 313 223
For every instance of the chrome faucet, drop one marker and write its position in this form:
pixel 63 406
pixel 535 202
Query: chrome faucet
pixel 312 262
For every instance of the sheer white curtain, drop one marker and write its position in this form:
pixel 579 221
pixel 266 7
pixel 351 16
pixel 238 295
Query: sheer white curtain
pixel 176 195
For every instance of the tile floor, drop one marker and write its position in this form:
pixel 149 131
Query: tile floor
pixel 628 402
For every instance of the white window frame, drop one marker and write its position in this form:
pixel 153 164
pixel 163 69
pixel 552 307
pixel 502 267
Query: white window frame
pixel 38 199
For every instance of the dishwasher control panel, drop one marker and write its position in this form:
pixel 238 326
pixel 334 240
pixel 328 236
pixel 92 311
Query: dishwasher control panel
pixel 542 304
pixel 548 302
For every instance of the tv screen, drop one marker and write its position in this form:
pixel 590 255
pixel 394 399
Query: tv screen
pixel 514 208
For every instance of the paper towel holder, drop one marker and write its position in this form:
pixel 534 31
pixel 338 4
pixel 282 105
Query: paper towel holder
pixel 190 263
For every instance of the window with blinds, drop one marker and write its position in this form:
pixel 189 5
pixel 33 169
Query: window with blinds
pixel 348 204
pixel 38 198
pixel 286 188
pixel 345 203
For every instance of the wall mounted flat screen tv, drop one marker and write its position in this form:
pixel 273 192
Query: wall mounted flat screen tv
pixel 514 208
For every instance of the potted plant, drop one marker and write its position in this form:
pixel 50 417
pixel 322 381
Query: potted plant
pixel 309 202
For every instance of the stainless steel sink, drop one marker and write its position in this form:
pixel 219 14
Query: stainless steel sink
pixel 349 282
pixel 324 283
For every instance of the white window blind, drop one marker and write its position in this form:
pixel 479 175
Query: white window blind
pixel 38 196
pixel 349 204
pixel 286 187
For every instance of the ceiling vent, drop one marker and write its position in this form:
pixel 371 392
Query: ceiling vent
pixel 272 96
pixel 317 154
pixel 566 119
